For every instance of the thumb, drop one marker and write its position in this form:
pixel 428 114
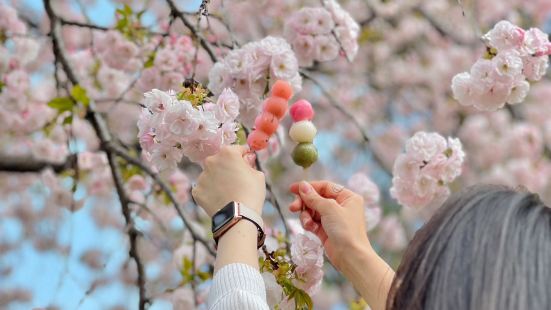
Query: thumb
pixel 314 201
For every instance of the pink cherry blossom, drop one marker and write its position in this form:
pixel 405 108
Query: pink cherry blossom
pixel 227 106
pixel 525 140
pixel 362 185
pixel 274 292
pixel 505 36
pixel 319 33
pixel 307 250
pixel 422 173
pixel 501 79
pixel 246 71
pixel 309 279
pixel 535 67
pixel 392 235
pixel 536 42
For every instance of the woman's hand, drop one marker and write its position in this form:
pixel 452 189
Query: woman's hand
pixel 335 215
pixel 229 176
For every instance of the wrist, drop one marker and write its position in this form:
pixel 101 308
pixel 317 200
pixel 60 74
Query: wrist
pixel 360 253
pixel 238 245
pixel 370 274
pixel 254 204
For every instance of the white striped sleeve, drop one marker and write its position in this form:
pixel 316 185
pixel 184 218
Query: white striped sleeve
pixel 237 286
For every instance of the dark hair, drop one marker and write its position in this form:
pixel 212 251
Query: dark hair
pixel 487 247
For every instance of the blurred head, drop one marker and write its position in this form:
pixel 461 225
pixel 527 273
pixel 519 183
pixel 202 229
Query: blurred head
pixel 488 248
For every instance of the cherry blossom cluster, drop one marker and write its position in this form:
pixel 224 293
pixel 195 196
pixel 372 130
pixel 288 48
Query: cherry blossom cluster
pixel 173 61
pixel 517 153
pixel 117 51
pixel 253 68
pixel 320 33
pixel 96 175
pixel 170 128
pixel 514 57
pixel 22 110
pixel 363 185
pixel 422 174
pixel 96 76
pixel 10 22
pixel 307 255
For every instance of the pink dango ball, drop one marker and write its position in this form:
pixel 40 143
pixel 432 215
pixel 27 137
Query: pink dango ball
pixel 267 123
pixel 258 140
pixel 277 106
pixel 302 110
pixel 282 89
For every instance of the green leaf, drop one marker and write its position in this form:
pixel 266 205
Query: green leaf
pixel 150 60
pixel 128 171
pixel 68 120
pixel 122 24
pixel 241 136
pixel 302 300
pixel 61 104
pixel 127 9
pixel 187 265
pixel 1 86
pixel 140 14
pixel 204 275
pixel 80 95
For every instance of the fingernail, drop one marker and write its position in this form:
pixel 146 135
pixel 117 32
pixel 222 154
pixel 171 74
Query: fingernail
pixel 304 187
pixel 315 227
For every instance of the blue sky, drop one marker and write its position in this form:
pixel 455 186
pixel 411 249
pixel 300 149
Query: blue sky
pixel 61 281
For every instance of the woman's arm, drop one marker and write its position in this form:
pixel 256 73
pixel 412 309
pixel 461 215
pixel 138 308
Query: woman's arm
pixel 336 216
pixel 227 177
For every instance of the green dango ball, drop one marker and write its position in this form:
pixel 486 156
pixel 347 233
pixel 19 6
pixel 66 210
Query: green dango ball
pixel 305 154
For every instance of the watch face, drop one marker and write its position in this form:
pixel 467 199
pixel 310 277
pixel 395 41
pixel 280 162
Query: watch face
pixel 223 216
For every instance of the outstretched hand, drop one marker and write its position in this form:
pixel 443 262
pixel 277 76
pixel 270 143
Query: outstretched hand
pixel 334 214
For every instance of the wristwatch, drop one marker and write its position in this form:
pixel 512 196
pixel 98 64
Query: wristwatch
pixel 230 215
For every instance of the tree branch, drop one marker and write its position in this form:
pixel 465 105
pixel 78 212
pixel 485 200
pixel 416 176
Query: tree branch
pixel 347 114
pixel 273 198
pixel 74 23
pixel 194 32
pixel 442 31
pixel 164 187
pixel 30 164
pixel 103 134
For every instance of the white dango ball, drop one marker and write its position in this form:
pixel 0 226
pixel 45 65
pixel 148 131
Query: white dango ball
pixel 303 132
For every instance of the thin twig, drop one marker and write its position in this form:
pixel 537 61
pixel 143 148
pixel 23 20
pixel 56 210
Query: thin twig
pixel 165 188
pixel 74 23
pixel 335 104
pixel 273 198
pixel 443 31
pixel 194 32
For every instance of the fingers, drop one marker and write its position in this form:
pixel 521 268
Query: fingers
pixel 307 221
pixel 296 205
pixel 231 154
pixel 327 190
pixel 244 152
pixel 312 199
pixel 236 149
